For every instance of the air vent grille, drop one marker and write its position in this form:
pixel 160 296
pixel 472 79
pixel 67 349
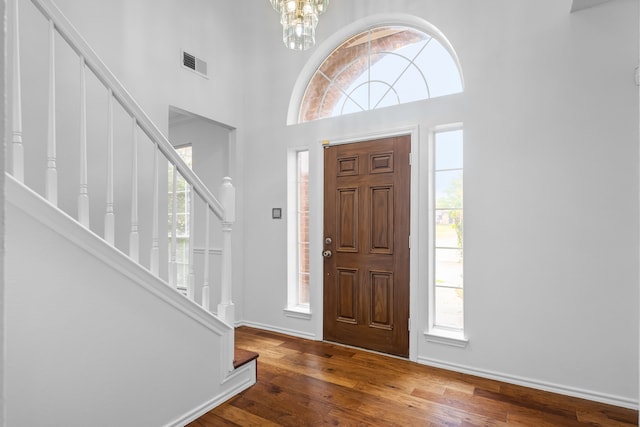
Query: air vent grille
pixel 188 60
pixel 193 63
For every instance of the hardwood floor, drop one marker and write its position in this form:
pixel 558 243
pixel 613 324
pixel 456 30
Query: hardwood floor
pixel 309 383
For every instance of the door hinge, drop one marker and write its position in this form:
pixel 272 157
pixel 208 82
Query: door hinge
pixel 409 324
pixel 409 241
pixel 410 159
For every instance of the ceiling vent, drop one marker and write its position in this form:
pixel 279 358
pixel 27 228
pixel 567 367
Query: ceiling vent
pixel 193 63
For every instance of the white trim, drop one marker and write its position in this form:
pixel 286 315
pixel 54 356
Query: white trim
pixel 298 313
pixel 212 251
pixel 435 333
pixel 443 336
pixel 535 384
pixel 293 228
pixel 578 5
pixel 414 250
pixel 38 208
pixel 412 130
pixel 284 331
pixel 414 253
pixel 316 236
pixel 243 378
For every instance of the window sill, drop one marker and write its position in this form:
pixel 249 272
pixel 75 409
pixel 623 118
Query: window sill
pixel 298 313
pixel 447 337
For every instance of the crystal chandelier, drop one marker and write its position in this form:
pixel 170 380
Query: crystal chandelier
pixel 299 19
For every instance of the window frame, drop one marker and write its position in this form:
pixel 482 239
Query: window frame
pixel 440 333
pixel 185 238
pixel 294 307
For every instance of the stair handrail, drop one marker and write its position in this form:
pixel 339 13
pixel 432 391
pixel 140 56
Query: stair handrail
pixel 100 70
pixel 224 209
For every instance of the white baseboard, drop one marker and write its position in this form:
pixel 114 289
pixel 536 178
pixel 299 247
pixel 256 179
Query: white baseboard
pixel 285 331
pixel 535 384
pixel 241 379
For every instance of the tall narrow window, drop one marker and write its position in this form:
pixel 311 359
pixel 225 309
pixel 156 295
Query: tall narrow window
pixel 303 226
pixel 298 235
pixel 183 202
pixel 448 260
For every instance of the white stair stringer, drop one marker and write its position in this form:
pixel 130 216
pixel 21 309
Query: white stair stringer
pixel 94 338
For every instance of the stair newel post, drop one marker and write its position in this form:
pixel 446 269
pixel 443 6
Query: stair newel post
pixel 206 300
pixel 83 197
pixel 52 173
pixel 173 267
pixel 109 216
pixel 155 247
pixel 192 275
pixel 228 200
pixel 133 234
pixel 16 99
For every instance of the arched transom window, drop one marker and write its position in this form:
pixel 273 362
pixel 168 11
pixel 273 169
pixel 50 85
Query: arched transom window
pixel 381 67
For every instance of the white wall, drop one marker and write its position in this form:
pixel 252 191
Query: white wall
pixel 3 117
pixel 210 145
pixel 92 339
pixel 550 113
pixel 141 43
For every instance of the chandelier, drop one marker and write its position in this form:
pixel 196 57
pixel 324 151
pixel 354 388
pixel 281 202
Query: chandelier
pixel 299 19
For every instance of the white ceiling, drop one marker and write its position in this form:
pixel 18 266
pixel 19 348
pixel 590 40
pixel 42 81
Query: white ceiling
pixel 577 5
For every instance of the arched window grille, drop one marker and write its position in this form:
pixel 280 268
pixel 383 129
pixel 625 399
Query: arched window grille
pixel 378 68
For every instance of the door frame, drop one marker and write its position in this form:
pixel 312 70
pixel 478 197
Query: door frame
pixel 316 191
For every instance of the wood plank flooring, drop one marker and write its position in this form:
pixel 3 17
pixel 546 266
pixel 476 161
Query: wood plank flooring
pixel 310 383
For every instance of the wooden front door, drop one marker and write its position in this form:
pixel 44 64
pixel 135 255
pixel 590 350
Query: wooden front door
pixel 366 244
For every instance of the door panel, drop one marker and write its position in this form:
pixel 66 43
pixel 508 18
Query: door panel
pixel 381 220
pixel 366 278
pixel 381 299
pixel 347 295
pixel 348 202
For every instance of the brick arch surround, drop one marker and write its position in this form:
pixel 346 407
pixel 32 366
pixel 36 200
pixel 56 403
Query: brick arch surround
pixel 318 102
pixel 345 64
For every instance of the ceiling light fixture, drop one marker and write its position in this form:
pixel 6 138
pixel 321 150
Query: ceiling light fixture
pixel 299 19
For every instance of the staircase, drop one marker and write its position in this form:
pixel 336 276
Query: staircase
pixel 97 332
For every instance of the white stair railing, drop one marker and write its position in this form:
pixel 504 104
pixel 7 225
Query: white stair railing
pixel 16 99
pixel 52 170
pixel 117 95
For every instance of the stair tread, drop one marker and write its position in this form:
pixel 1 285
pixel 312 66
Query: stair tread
pixel 242 357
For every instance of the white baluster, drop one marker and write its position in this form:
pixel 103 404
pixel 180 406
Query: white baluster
pixel 109 216
pixel 133 235
pixel 83 197
pixel 16 101
pixel 226 310
pixel 192 274
pixel 228 352
pixel 52 172
pixel 155 250
pixel 205 285
pixel 173 266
